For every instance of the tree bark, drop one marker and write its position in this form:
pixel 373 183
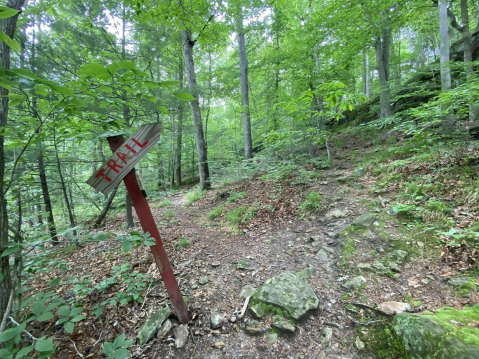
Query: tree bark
pixel 188 44
pixel 383 44
pixel 46 197
pixel 245 113
pixel 8 27
pixel 64 189
pixel 466 35
pixel 126 115
pixel 366 80
pixel 179 134
pixel 448 120
pixel 106 208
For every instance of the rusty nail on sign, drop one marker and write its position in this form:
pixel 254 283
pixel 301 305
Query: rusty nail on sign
pixel 120 166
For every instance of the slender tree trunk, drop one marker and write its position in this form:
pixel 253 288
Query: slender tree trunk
pixel 448 120
pixel 46 196
pixel 383 44
pixel 188 44
pixel 466 35
pixel 64 188
pixel 126 115
pixel 106 208
pixel 248 143
pixel 444 47
pixel 366 65
pixel 8 26
pixel 179 134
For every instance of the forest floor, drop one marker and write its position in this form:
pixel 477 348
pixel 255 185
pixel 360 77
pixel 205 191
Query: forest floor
pixel 277 239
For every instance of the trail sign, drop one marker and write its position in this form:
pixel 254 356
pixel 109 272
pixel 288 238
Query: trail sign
pixel 125 158
pixel 120 166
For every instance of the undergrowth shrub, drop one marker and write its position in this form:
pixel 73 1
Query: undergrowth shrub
pixel 193 196
pixel 312 202
pixel 214 213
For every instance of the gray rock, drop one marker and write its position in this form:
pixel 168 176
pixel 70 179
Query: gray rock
pixel 342 179
pixel 397 256
pixel 394 267
pixel 322 256
pixel 247 291
pixel 336 213
pixel 364 266
pixel 254 328
pixel 391 308
pixel 359 172
pixel 290 292
pixel 424 336
pixel 355 283
pixel 271 339
pixel 282 325
pixel 365 220
pixel 307 272
pixel 244 263
pixel 164 329
pixel 203 280
pixel 150 327
pixel 327 334
pixel 379 266
pixel 458 282
pixel 216 320
pixel 181 335
pixel 256 311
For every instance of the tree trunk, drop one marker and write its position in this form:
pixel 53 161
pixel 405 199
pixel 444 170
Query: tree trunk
pixel 106 207
pixel 248 144
pixel 8 26
pixel 179 134
pixel 188 44
pixel 64 189
pixel 444 47
pixel 448 120
pixel 366 88
pixel 383 44
pixel 46 197
pixel 466 35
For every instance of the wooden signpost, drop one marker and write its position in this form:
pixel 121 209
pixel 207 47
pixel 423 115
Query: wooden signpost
pixel 120 166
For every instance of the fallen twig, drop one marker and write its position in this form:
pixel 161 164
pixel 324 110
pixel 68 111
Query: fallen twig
pixel 245 306
pixel 74 346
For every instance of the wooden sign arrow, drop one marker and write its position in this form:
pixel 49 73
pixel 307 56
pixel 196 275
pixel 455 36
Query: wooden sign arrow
pixel 125 158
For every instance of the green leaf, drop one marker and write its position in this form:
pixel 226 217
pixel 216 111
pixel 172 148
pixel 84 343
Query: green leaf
pixel 108 348
pixel 76 311
pixel 97 311
pixel 163 109
pixel 64 310
pixel 9 251
pixel 168 83
pixel 24 351
pixel 105 89
pixel 93 69
pixel 69 327
pixel 185 96
pixel 41 90
pixel 62 320
pixel 121 354
pixel 45 316
pixel 14 44
pixel 37 309
pixel 44 345
pixel 100 237
pixel 124 64
pixel 62 89
pixel 8 334
pixel 6 12
pixel 77 318
pixel 54 282
pixel 126 245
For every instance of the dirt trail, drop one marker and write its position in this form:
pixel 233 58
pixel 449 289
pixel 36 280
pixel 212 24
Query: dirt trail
pixel 277 240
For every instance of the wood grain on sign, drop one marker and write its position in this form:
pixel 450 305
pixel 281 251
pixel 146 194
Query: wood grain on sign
pixel 125 158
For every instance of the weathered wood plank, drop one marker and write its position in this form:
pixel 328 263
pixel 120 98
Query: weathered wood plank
pixel 125 158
